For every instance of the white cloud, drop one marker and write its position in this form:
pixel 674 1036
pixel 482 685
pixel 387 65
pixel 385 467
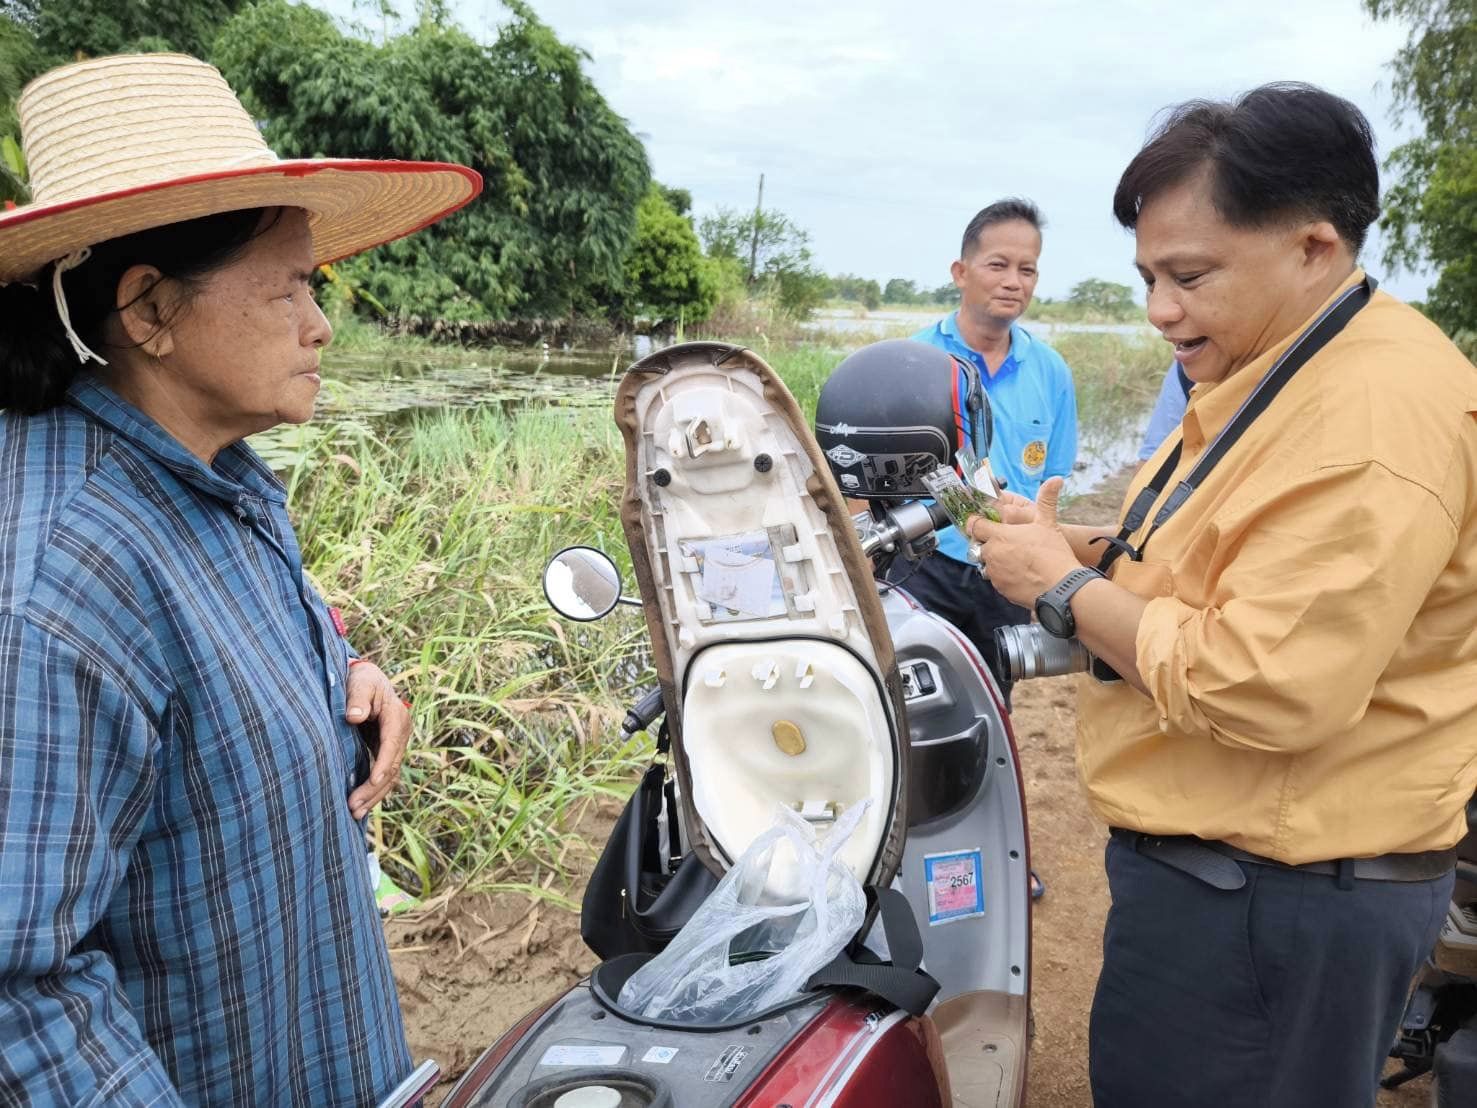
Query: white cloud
pixel 883 126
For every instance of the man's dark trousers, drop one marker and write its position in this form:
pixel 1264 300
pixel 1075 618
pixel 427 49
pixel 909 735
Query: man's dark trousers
pixel 957 592
pixel 1284 993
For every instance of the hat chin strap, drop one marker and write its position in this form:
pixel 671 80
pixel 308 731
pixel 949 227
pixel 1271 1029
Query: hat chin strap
pixel 72 261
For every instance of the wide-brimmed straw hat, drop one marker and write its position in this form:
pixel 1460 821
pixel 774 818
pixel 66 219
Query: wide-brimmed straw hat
pixel 121 144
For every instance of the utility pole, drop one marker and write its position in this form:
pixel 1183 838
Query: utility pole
pixel 754 239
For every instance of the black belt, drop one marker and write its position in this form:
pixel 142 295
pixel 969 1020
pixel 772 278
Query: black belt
pixel 1215 862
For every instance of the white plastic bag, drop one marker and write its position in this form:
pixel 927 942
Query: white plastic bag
pixel 738 956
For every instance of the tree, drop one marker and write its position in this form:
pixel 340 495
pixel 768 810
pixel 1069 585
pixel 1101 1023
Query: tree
pixel 1105 298
pixel 1431 209
pixel 20 60
pixel 900 291
pixel 666 276
pixel 62 29
pixel 679 200
pixel 564 175
pixel 848 286
pixel 947 293
pixel 782 265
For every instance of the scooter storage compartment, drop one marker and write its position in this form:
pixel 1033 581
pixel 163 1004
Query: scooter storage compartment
pixel 793 722
pixel 610 977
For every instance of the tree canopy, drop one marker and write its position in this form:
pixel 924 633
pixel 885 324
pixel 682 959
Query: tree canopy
pixel 569 222
pixel 63 29
pixel 666 276
pixel 774 252
pixel 563 172
pixel 1431 206
pixel 1105 298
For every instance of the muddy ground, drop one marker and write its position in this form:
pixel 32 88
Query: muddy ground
pixel 468 968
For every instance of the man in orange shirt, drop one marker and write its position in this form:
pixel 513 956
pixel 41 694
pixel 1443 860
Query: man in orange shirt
pixel 1287 757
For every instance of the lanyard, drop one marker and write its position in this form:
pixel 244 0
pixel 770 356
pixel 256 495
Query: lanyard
pixel 1313 339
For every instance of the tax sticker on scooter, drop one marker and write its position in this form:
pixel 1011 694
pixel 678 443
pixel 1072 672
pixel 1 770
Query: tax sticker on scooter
pixel 955 885
pixel 582 1054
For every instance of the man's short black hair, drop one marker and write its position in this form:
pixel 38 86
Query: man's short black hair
pixel 1280 152
pixel 1002 211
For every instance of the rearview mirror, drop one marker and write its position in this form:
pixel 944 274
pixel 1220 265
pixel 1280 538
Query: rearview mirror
pixel 582 583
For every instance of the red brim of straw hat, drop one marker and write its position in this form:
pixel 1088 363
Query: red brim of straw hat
pixel 352 205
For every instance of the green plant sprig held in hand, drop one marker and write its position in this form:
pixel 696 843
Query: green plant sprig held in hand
pixel 958 499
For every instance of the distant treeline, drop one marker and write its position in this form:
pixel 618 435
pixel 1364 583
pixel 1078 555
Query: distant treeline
pixel 1090 301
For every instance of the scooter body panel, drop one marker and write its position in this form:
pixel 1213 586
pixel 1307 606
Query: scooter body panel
pixel 842 1050
pixel 857 1055
pixel 966 864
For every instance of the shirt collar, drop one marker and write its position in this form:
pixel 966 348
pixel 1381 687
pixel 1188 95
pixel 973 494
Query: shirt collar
pixel 1020 339
pixel 237 468
pixel 1212 406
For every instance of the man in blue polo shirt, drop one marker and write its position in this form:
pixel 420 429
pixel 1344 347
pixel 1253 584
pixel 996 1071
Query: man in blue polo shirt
pixel 1032 401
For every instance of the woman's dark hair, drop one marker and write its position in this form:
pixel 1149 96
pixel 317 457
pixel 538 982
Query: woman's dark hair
pixel 1002 211
pixel 37 364
pixel 1280 152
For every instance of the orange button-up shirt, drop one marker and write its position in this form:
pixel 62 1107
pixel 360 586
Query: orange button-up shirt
pixel 1310 642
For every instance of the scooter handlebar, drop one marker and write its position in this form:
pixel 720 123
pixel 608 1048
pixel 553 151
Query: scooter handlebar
pixel 900 524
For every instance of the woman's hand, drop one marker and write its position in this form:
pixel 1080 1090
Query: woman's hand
pixel 372 699
pixel 1026 553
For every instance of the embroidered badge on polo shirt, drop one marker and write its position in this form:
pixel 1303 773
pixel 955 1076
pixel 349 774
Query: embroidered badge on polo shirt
pixel 1033 457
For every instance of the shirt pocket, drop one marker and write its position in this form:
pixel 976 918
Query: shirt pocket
pixel 1019 449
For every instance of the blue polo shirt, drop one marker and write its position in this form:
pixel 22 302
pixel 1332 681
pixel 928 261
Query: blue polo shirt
pixel 1033 404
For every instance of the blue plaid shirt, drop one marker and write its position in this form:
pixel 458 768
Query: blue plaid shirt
pixel 185 910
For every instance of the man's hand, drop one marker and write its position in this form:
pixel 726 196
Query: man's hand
pixel 1027 552
pixel 372 699
pixel 1015 508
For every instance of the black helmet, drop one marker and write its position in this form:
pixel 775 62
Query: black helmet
pixel 891 412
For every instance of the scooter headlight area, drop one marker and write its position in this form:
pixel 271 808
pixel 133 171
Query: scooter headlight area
pixel 789 680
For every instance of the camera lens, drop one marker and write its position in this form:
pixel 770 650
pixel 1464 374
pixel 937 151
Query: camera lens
pixel 1028 651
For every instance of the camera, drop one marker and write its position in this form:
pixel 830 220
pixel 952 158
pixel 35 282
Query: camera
pixel 1026 650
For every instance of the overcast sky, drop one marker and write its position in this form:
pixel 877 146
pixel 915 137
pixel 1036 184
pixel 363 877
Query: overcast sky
pixel 881 126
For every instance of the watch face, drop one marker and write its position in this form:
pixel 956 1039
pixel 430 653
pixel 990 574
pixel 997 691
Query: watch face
pixel 1051 620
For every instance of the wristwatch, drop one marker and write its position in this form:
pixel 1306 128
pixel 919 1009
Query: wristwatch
pixel 1054 607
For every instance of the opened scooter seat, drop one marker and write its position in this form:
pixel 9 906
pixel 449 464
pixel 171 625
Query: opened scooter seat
pixel 768 636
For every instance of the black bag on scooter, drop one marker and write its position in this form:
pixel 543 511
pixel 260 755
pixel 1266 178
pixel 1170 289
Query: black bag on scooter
pixel 636 900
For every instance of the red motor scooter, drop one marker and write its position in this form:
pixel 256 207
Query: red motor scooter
pixel 791 677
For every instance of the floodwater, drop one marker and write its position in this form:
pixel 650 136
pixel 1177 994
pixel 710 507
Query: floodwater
pixel 855 323
pixel 361 391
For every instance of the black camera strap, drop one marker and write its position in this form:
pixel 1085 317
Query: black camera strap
pixel 1313 339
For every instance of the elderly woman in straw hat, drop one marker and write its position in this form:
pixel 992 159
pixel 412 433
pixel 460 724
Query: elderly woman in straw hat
pixel 185 909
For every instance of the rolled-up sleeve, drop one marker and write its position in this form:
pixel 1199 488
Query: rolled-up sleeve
pixel 1317 586
pixel 76 773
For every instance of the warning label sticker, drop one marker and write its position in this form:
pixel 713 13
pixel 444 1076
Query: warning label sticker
pixel 955 885
pixel 727 1064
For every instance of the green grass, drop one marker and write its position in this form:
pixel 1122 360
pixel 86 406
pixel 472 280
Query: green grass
pixel 431 535
pixel 1117 376
pixel 432 539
